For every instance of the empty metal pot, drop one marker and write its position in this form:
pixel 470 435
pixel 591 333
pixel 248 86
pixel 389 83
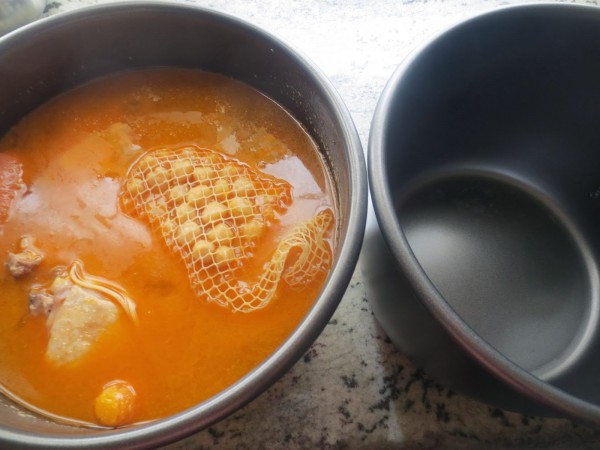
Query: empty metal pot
pixel 481 256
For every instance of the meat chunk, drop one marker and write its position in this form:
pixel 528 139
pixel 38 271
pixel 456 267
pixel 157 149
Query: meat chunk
pixel 40 302
pixel 80 308
pixel 77 323
pixel 28 258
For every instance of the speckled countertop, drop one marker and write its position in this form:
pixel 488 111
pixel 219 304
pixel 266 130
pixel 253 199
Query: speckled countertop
pixel 353 389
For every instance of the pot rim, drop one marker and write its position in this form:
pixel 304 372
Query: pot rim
pixel 381 196
pixel 196 418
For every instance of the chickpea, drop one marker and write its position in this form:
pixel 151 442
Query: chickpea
pixel 115 405
pixel 252 230
pixel 221 188
pixel 186 233
pixel 204 173
pixel 202 250
pixel 224 255
pixel 178 193
pixel 243 186
pixel 182 168
pixel 220 233
pixel 156 212
pixel 267 204
pixel 167 227
pixel 230 170
pixel 240 208
pixel 198 195
pixel 148 162
pixel 134 186
pixel 184 212
pixel 212 212
pixel 157 177
pixel 156 208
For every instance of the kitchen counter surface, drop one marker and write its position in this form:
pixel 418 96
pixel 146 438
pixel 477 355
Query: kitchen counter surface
pixel 353 389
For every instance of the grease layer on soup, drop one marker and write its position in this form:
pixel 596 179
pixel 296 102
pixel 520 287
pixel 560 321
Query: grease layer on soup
pixel 135 211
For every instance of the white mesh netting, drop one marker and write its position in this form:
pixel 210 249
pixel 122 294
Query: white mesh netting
pixel 212 211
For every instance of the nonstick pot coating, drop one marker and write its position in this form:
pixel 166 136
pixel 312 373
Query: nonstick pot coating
pixel 484 164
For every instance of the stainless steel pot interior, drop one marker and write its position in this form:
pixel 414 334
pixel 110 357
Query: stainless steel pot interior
pixel 44 59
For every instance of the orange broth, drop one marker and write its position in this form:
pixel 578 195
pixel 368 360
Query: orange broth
pixel 75 152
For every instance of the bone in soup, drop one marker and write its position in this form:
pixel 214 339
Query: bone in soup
pixel 163 231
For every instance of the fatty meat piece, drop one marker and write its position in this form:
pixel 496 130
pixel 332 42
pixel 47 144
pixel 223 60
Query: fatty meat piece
pixel 77 323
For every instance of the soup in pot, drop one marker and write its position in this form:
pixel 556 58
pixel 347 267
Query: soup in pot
pixel 163 232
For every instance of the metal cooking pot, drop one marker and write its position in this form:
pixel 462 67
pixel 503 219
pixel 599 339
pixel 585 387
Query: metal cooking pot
pixel 482 251
pixel 42 60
